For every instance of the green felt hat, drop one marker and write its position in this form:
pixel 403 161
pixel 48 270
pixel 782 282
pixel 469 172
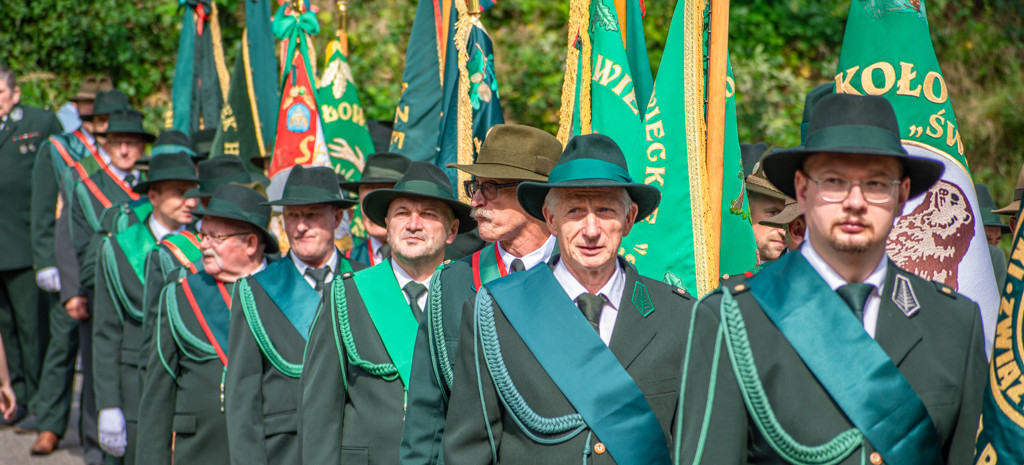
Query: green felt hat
pixel 592 160
pixel 240 203
pixel 168 167
pixel 202 142
pixel 171 141
pixel 513 151
pixel 106 103
pixel 856 125
pixel 311 185
pixel 380 168
pixel 751 154
pixel 216 171
pixel 810 101
pixel 127 121
pixel 757 183
pixel 1014 207
pixel 986 205
pixel 422 179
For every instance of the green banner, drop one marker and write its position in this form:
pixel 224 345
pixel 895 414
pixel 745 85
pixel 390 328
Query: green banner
pixel 200 75
pixel 416 116
pixel 344 122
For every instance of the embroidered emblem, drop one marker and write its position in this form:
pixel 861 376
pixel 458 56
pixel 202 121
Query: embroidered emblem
pixel 903 296
pixel 298 118
pixel 642 299
pixel 17 114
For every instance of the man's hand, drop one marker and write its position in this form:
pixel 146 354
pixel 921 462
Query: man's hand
pixel 78 308
pixel 48 279
pixel 113 433
pixel 8 401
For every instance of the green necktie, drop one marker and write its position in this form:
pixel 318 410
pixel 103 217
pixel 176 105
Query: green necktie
pixel 517 265
pixel 319 276
pixel 414 290
pixel 856 295
pixel 129 179
pixel 591 305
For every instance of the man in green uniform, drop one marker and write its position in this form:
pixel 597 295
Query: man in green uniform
pixel 118 306
pixel 833 354
pixel 592 377
pixel 360 349
pixel 271 314
pixel 183 389
pixel 765 202
pixel 382 171
pixel 1013 208
pixel 23 306
pixel 994 230
pixel 508 156
pixel 790 220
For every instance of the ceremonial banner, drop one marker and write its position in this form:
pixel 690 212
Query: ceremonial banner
pixel 416 116
pixel 200 76
pixel 887 51
pixel 347 137
pixel 249 117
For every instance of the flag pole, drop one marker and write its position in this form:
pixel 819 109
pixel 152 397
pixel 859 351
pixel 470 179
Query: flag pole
pixel 343 26
pixel 718 51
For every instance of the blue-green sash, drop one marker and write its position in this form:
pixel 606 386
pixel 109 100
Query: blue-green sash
pixel 291 293
pixel 215 310
pixel 583 368
pixel 390 313
pixel 136 242
pixel 849 364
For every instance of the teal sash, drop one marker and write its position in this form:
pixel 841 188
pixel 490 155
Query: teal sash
pixel 215 310
pixel 582 367
pixel 390 313
pixel 136 242
pixel 291 293
pixel 849 364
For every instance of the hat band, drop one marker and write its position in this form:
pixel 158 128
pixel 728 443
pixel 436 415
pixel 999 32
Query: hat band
pixel 224 206
pixel 865 137
pixel 381 172
pixel 309 193
pixel 425 188
pixel 588 168
pixel 170 148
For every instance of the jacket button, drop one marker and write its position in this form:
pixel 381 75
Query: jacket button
pixel 599 448
pixel 876 458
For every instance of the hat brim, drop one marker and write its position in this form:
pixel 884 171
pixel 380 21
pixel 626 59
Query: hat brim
pixel 781 166
pixel 376 205
pixel 353 186
pixel 149 138
pixel 197 193
pixel 142 187
pixel 753 184
pixel 342 203
pixel 271 241
pixel 1010 210
pixel 786 216
pixel 531 195
pixel 490 170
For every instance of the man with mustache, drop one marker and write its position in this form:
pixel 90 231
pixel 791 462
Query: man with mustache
pixel 118 306
pixel 508 156
pixel 183 389
pixel 271 313
pixel 833 354
pixel 360 348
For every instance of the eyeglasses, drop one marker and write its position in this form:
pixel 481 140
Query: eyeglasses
pixel 832 189
pixel 488 189
pixel 219 238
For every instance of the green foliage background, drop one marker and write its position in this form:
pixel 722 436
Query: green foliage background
pixel 780 50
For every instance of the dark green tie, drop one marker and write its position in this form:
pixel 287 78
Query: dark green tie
pixel 385 252
pixel 414 290
pixel 129 179
pixel 319 276
pixel 591 305
pixel 517 265
pixel 856 295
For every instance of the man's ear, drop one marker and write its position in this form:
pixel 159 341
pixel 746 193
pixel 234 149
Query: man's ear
pixel 453 231
pixel 800 182
pixel 631 218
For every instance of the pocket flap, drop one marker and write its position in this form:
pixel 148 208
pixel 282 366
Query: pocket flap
pixel 277 423
pixel 184 424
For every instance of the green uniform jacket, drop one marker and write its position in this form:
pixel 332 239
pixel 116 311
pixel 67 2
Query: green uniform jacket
pixel 20 140
pixel 349 416
pixel 181 393
pixel 48 177
pixel 939 350
pixel 650 349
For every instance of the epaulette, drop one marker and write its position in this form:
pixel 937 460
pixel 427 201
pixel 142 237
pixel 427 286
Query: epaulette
pixel 945 290
pixel 682 292
pixel 737 283
pixel 347 275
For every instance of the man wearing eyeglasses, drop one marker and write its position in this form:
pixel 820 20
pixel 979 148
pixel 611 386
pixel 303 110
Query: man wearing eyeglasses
pixel 833 352
pixel 508 156
pixel 183 401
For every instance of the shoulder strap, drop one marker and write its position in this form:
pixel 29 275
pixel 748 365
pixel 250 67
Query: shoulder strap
pixel 252 318
pixel 185 248
pixel 390 313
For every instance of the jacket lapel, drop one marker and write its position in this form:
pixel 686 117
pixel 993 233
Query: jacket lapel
pixel 895 332
pixel 8 130
pixel 632 334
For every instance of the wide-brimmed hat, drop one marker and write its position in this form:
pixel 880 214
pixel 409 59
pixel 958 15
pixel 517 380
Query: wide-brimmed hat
pixel 216 171
pixel 168 167
pixel 202 142
pixel 127 121
pixel 107 103
pixel 592 160
pixel 856 125
pixel 380 168
pixel 92 85
pixel 986 205
pixel 240 203
pixel 311 185
pixel 1014 207
pixel 786 216
pixel 750 154
pixel 810 101
pixel 757 183
pixel 513 151
pixel 421 180
pixel 171 141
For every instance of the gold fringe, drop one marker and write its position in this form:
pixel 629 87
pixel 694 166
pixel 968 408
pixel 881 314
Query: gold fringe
pixel 463 27
pixel 696 137
pixel 251 93
pixel 579 10
pixel 218 52
pixel 586 126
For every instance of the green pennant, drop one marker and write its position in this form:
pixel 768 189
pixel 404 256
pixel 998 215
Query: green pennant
pixel 348 139
pixel 197 93
pixel 419 107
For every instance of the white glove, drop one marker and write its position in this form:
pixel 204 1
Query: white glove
pixel 48 279
pixel 113 435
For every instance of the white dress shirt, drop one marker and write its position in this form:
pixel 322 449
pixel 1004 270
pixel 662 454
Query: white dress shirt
pixel 835 281
pixel 531 259
pixel 612 292
pixel 375 246
pixel 404 278
pixel 159 231
pixel 332 266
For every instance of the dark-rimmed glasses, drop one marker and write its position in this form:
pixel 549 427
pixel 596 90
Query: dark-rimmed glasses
pixel 488 189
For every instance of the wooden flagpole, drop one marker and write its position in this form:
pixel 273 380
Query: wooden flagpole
pixel 718 50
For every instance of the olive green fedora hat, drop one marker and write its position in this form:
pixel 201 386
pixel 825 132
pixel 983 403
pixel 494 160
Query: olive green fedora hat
pixel 810 101
pixel 789 213
pixel 171 141
pixel 750 154
pixel 127 121
pixel 311 185
pixel 215 171
pixel 592 160
pixel 380 168
pixel 986 205
pixel 168 167
pixel 241 203
pixel 1014 207
pixel 855 125
pixel 106 103
pixel 422 179
pixel 757 183
pixel 514 151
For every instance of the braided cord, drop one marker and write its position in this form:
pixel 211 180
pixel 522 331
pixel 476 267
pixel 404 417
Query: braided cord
pixel 738 343
pixel 440 361
pixel 387 371
pixel 527 419
pixel 115 287
pixel 180 332
pixel 252 317
pixel 87 208
pixel 159 348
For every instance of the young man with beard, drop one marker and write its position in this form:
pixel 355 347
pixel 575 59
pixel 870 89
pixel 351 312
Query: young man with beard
pixel 360 349
pixel 382 171
pixel 765 202
pixel 508 156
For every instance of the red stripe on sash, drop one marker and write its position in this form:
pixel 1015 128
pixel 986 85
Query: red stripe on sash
pixel 202 320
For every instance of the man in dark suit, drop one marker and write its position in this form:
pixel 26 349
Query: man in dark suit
pixel 271 313
pixel 353 388
pixel 183 388
pixel 382 171
pixel 510 155
pixel 576 361
pixel 832 353
pixel 23 306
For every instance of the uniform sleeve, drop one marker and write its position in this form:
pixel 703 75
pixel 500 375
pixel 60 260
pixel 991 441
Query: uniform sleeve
pixel 154 282
pixel 961 447
pixel 106 343
pixel 66 257
pixel 43 208
pixel 425 412
pixel 466 438
pixel 243 391
pixel 322 387
pixel 159 392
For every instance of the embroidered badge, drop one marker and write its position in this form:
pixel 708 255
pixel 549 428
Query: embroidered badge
pixel 642 299
pixel 17 114
pixel 903 296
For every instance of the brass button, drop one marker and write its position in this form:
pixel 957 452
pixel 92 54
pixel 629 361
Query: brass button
pixel 876 458
pixel 739 287
pixel 599 448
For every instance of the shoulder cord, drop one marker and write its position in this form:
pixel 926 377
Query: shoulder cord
pixel 181 333
pixel 87 207
pixel 439 359
pixel 387 371
pixel 252 317
pixel 114 285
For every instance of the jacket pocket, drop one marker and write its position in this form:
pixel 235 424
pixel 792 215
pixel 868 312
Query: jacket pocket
pixel 355 455
pixel 282 422
pixel 184 424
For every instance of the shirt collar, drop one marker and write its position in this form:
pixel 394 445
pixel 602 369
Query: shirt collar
pixel 612 290
pixel 332 264
pixel 530 260
pixel 832 277
pixel 375 246
pixel 403 277
pixel 263 266
pixel 160 231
